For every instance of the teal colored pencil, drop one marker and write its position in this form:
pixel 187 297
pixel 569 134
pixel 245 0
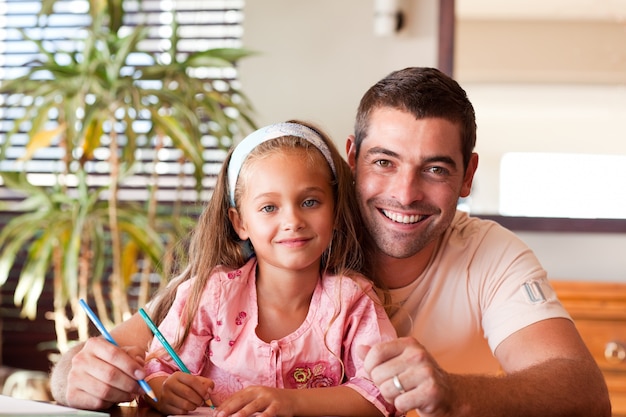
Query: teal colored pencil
pixel 163 341
pixel 96 321
pixel 166 345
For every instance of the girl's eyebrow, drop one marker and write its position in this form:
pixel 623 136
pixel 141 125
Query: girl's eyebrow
pixel 271 194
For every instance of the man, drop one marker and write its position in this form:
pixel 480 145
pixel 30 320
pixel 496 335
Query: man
pixel 483 332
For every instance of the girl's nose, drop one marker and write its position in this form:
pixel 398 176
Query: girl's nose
pixel 292 220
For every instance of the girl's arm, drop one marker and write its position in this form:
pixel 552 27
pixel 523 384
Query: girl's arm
pixel 328 401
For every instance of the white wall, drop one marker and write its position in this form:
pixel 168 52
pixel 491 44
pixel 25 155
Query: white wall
pixel 580 256
pixel 317 58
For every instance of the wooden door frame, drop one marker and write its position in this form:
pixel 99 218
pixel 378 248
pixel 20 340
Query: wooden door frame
pixel 446 37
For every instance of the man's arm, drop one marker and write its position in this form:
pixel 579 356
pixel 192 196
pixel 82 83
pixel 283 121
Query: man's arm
pixel 96 374
pixel 548 372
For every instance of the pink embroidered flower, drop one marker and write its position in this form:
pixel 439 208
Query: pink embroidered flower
pixel 234 274
pixel 239 320
pixel 231 343
pixel 320 381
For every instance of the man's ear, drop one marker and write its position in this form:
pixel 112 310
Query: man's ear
pixel 351 152
pixel 238 224
pixel 472 166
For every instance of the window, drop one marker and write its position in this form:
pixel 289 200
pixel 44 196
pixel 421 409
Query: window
pixel 202 24
pixel 550 184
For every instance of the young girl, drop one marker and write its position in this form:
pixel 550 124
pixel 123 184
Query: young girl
pixel 270 302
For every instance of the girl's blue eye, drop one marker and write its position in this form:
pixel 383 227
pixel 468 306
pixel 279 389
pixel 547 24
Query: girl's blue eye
pixel 268 209
pixel 309 203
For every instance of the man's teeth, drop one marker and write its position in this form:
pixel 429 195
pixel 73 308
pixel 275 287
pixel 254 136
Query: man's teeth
pixel 399 218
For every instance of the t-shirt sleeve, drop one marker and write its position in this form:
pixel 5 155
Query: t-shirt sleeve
pixel 515 291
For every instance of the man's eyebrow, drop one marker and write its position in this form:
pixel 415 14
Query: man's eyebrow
pixel 377 150
pixel 441 158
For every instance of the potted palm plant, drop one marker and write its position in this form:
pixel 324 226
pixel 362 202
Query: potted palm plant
pixel 89 99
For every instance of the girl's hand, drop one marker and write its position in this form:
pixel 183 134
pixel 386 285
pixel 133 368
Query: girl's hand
pixel 266 401
pixel 180 393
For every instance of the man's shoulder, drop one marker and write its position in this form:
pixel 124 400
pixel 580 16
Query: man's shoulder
pixel 478 231
pixel 466 224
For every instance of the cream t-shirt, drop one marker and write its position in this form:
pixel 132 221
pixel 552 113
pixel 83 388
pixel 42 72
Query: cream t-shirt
pixel 481 285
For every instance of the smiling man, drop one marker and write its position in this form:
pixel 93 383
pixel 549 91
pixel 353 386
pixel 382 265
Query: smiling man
pixel 484 334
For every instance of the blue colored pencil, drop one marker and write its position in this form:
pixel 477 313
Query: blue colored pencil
pixel 166 345
pixel 96 321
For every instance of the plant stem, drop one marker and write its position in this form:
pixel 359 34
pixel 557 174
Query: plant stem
pixel 119 300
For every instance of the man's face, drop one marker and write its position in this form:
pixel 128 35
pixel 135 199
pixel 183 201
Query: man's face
pixel 409 176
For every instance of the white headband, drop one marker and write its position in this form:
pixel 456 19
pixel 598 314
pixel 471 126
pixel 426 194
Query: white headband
pixel 264 134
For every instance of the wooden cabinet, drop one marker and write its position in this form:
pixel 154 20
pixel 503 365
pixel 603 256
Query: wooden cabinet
pixel 599 311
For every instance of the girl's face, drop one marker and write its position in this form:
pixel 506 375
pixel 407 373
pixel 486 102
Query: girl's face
pixel 286 210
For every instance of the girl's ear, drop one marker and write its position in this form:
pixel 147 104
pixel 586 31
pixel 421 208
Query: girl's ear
pixel 237 223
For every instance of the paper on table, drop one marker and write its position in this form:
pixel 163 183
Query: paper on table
pixel 10 406
pixel 200 411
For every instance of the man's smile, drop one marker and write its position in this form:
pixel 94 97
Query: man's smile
pixel 403 218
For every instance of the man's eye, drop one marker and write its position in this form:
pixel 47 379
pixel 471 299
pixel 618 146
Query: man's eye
pixel 309 203
pixel 268 209
pixel 438 170
pixel 383 163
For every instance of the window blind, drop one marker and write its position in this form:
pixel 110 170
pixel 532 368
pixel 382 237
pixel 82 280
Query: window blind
pixel 202 24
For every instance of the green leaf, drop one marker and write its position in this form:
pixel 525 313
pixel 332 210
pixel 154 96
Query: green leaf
pixel 217 57
pixel 174 130
pixel 98 261
pixel 32 278
pixel 7 258
pixel 39 267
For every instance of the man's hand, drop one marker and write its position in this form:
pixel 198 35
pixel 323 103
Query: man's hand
pixel 548 372
pixel 408 376
pixel 102 375
pixel 96 375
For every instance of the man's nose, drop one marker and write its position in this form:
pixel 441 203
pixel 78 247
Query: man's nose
pixel 407 187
